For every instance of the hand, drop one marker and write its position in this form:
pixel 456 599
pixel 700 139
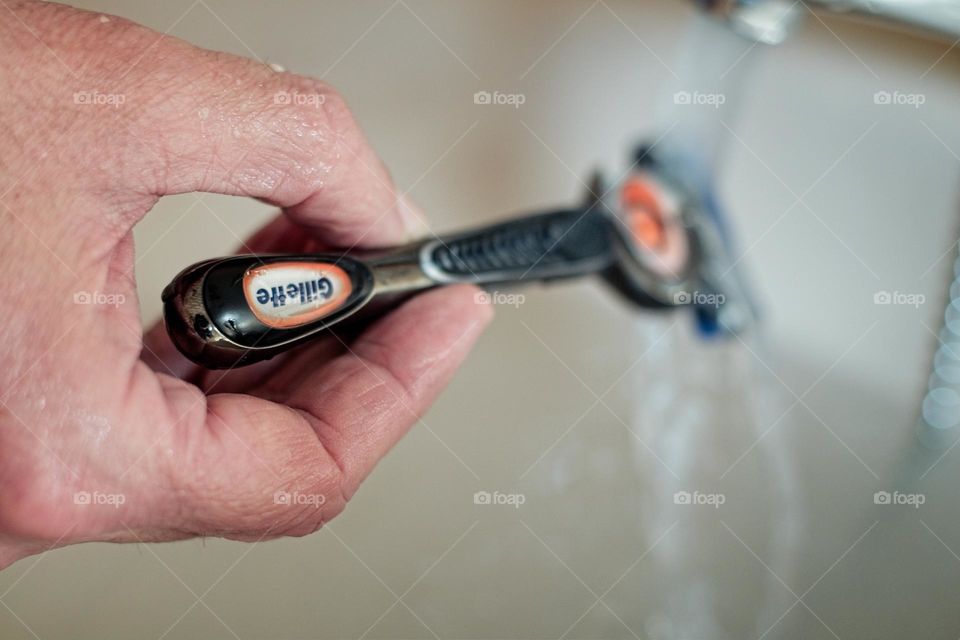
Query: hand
pixel 100 118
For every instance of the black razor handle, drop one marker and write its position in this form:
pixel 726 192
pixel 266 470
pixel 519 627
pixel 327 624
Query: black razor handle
pixel 545 246
pixel 239 310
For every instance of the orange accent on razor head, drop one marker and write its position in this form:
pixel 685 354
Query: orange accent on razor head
pixel 644 215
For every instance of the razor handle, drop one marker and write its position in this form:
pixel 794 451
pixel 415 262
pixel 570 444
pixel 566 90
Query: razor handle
pixel 235 311
pixel 544 246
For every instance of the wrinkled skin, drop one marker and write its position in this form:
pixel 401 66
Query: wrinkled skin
pixel 91 406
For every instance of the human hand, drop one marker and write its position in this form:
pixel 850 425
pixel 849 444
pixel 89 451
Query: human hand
pixel 99 443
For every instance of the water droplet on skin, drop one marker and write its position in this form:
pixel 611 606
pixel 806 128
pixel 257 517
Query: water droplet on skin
pixel 95 427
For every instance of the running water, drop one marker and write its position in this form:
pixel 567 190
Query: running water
pixel 712 75
pixel 704 408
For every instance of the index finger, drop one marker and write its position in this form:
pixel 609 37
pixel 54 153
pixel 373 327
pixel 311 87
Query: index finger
pixel 199 120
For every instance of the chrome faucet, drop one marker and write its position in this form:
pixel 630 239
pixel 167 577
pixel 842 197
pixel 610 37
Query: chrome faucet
pixel 772 21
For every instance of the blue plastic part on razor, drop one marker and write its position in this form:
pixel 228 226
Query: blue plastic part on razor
pixel 725 291
pixel 707 325
pixel 707 319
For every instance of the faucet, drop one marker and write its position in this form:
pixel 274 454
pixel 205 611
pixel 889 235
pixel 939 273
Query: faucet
pixel 772 21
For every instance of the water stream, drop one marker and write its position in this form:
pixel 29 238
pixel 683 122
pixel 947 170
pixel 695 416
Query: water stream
pixel 709 416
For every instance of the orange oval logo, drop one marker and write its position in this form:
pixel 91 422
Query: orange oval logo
pixel 289 294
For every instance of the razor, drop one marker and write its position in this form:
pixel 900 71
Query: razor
pixel 650 237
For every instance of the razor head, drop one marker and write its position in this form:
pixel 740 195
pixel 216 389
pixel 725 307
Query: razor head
pixel 670 245
pixel 654 254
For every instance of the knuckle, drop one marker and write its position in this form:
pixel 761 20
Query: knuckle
pixel 304 519
pixel 313 129
pixel 307 501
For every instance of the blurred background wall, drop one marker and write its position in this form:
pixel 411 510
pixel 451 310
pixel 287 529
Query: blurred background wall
pixel 596 415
